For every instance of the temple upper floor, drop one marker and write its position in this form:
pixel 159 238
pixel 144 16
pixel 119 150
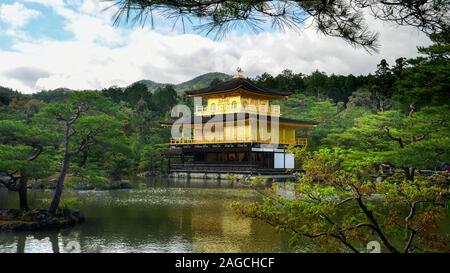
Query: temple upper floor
pixel 238 95
pixel 237 103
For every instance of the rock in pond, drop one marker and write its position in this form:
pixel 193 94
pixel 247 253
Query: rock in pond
pixel 83 187
pixel 119 185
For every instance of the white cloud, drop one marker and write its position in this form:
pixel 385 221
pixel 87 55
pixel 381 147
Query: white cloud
pixel 16 15
pixel 102 55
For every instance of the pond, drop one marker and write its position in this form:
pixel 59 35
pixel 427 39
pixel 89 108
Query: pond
pixel 157 215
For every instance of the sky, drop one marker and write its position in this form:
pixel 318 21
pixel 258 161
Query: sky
pixel 49 44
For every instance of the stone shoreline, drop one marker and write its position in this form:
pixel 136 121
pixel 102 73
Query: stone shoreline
pixel 84 186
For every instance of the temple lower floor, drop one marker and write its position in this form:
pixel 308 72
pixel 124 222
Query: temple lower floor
pixel 251 159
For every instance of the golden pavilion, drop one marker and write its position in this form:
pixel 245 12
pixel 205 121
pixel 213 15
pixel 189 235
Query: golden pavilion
pixel 235 129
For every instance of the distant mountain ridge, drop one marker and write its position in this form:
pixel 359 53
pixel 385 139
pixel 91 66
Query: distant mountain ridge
pixel 197 82
pixel 60 94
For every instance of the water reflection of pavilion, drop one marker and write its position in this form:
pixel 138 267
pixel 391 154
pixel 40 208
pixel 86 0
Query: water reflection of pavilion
pixel 219 229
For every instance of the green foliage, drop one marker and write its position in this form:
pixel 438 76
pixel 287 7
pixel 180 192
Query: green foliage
pixel 118 165
pixel 287 80
pixel 87 177
pixel 137 92
pixel 426 79
pixel 71 203
pixel 165 98
pixel 317 84
pixel 417 141
pixel 51 96
pixel 6 95
pixel 150 158
pixel 16 158
pixel 332 117
pixel 20 143
pixel 339 207
pixel 74 180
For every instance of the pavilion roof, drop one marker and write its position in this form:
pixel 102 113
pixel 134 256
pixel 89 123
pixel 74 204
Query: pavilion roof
pixel 238 84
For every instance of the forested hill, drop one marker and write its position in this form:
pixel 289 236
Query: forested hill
pixel 197 82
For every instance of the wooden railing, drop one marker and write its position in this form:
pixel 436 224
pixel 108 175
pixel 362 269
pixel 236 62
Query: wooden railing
pixel 301 141
pixel 186 141
pixel 226 167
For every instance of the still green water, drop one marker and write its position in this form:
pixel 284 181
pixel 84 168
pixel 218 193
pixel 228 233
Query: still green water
pixel 156 216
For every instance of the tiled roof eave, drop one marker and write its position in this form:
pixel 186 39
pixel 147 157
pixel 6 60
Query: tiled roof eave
pixel 234 85
pixel 205 119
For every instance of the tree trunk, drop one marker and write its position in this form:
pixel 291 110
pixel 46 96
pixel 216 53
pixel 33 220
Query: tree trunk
pixel 23 191
pixel 381 105
pixel 55 243
pixel 59 185
pixel 21 243
pixel 409 173
pixel 62 175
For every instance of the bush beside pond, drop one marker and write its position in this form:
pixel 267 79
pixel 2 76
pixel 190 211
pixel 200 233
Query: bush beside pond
pixel 99 184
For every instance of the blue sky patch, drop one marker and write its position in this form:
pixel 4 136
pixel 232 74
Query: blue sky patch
pixel 48 25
